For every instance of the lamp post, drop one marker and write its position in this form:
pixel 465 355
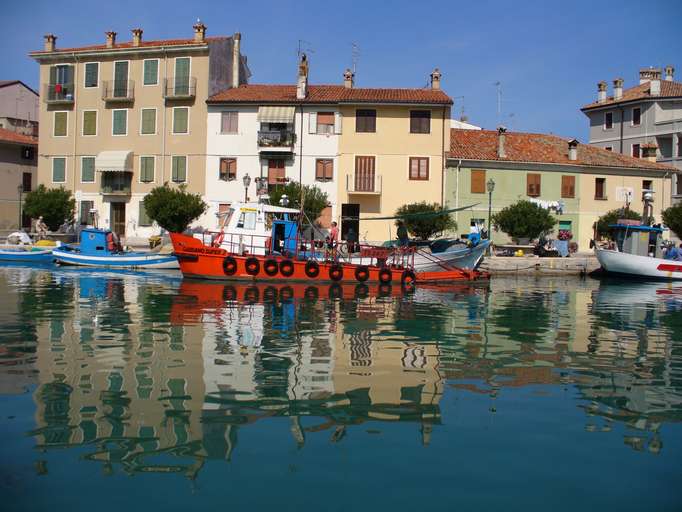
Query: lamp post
pixel 490 186
pixel 20 189
pixel 247 181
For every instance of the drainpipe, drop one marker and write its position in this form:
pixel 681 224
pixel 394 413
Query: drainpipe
pixel 300 169
pixel 163 136
pixel 622 120
pixel 442 156
pixel 459 164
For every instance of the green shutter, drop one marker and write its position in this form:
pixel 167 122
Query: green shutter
pixel 88 169
pixel 121 79
pixel 90 122
pixel 91 69
pixel 151 72
pixel 146 169
pixel 180 115
pixel 120 122
pixel 182 75
pixel 60 124
pixel 148 121
pixel 143 219
pixel 179 169
pixel 53 75
pixel 59 170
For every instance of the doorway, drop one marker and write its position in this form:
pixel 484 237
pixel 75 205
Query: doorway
pixel 350 218
pixel 117 218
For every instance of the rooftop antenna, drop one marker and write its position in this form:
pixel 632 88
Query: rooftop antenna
pixel 303 47
pixel 498 85
pixel 355 54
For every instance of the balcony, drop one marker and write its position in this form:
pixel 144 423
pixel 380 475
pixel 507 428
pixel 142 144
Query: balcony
pixel 180 88
pixel 116 183
pixel 59 94
pixel 278 141
pixel 363 184
pixel 118 91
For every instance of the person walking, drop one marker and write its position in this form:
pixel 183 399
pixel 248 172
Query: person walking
pixel 403 238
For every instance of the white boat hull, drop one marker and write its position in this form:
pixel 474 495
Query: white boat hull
pixel 639 266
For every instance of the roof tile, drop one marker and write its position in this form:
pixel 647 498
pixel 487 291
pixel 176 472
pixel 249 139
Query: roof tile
pixel 669 89
pixel 129 45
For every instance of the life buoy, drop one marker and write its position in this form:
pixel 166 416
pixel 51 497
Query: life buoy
pixel 270 267
pixel 286 294
pixel 286 268
pixel 252 266
pixel 312 269
pixel 229 266
pixel 385 276
pixel 219 239
pixel 251 295
pixel 407 279
pixel 335 272
pixel 362 273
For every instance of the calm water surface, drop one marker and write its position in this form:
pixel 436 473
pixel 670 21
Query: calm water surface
pixel 133 392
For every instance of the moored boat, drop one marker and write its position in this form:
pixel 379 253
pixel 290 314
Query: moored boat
pixel 29 255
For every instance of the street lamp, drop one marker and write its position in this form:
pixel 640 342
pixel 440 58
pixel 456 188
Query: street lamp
pixel 20 189
pixel 490 186
pixel 247 182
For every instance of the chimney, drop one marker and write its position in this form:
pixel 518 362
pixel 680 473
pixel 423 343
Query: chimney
pixel 669 72
pixel 137 36
pixel 111 39
pixel 302 85
pixel 501 131
pixel 649 152
pixel 649 74
pixel 601 92
pixel 236 58
pixel 199 32
pixel 573 150
pixel 617 88
pixel 50 42
pixel 348 79
pixel 435 79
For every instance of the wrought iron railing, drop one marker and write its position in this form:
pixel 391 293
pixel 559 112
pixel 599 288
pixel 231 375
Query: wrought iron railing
pixel 59 93
pixel 363 183
pixel 276 138
pixel 118 90
pixel 179 87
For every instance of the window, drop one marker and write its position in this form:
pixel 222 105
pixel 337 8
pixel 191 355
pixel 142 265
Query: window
pixel 229 122
pixel 364 173
pixel 89 122
pixel 91 74
pixel 119 122
pixel 636 116
pixel 228 169
pixel 608 120
pixel 324 169
pixel 600 188
pixel 143 217
pixel 27 181
pixel 420 121
pixel 182 66
pixel 478 181
pixel 147 169
pixel 533 187
pixel 151 72
pixel 365 121
pixel 87 169
pixel 419 168
pixel 148 121
pixel 647 185
pixel 59 170
pixel 568 186
pixel 180 120
pixel 224 214
pixel 325 123
pixel 276 172
pixel 27 152
pixel 609 148
pixel 121 79
pixel 85 216
pixel 635 151
pixel 179 169
pixel 247 220
pixel 61 122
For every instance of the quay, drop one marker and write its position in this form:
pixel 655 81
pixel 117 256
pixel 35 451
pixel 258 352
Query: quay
pixel 580 264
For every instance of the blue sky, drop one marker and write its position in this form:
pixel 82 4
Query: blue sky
pixel 548 55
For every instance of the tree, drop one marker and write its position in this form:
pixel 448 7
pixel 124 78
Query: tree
pixel 611 217
pixel 173 208
pixel 55 205
pixel 524 219
pixel 672 217
pixel 423 220
pixel 314 200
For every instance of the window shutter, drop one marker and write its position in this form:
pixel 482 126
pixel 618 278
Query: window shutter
pixel 568 186
pixel 120 122
pixel 143 218
pixel 59 170
pixel 312 122
pixel 148 121
pixel 180 120
pixel 53 75
pixel 478 181
pixel 86 206
pixel 90 122
pixel 91 69
pixel 60 124
pixel 151 71
pixel 69 75
pixel 88 169
pixel 533 185
pixel 319 169
pixel 338 121
pixel 179 171
pixel 147 169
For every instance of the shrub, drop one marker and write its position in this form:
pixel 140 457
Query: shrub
pixel 424 220
pixel 54 204
pixel 672 217
pixel 314 200
pixel 173 208
pixel 611 217
pixel 524 220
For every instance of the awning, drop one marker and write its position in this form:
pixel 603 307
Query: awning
pixel 276 114
pixel 114 161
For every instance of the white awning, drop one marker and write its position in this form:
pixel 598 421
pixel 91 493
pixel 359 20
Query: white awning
pixel 276 114
pixel 114 161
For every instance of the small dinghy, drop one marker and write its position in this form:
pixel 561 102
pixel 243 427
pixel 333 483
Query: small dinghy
pixel 28 255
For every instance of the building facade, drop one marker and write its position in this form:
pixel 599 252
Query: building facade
pixel 577 182
pixel 18 153
pixel 123 118
pixel 19 106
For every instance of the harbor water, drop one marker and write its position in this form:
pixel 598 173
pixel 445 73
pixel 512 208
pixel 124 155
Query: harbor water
pixel 123 391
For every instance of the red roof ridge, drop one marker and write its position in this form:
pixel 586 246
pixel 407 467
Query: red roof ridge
pixel 128 45
pixel 669 89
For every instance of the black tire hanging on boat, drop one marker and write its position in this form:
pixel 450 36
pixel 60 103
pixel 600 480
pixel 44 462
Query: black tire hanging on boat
pixel 335 272
pixel 286 268
pixel 270 267
pixel 385 276
pixel 362 273
pixel 252 266
pixel 229 266
pixel 312 269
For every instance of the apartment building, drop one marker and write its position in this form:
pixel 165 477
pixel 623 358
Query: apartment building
pixel 19 106
pixel 121 118
pixel 640 119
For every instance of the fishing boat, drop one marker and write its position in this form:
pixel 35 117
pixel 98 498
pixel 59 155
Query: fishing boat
pixel 26 254
pixel 100 248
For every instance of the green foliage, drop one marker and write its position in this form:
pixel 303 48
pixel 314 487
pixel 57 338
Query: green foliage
pixel 611 217
pixel 173 208
pixel 314 200
pixel 524 220
pixel 424 220
pixel 55 205
pixel 672 217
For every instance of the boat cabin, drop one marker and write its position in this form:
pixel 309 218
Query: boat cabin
pixel 99 242
pixel 638 239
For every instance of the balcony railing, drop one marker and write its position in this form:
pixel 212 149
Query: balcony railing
pixel 116 183
pixel 278 139
pixel 369 183
pixel 118 90
pixel 54 94
pixel 179 88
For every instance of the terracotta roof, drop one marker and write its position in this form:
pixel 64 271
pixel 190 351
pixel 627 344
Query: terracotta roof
pixel 669 89
pixel 17 138
pixel 129 45
pixel 260 93
pixel 539 148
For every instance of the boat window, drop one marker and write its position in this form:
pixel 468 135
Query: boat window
pixel 247 220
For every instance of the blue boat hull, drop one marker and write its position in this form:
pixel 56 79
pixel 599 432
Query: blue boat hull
pixel 131 260
pixel 31 257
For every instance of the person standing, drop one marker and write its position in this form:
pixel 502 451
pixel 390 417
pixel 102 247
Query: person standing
pixel 352 240
pixel 41 228
pixel 403 238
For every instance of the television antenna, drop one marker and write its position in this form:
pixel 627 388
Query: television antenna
pixel 498 85
pixel 355 56
pixel 303 47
